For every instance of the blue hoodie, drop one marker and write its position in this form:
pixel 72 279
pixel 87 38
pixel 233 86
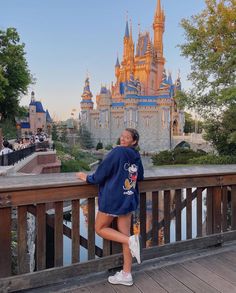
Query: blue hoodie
pixel 117 177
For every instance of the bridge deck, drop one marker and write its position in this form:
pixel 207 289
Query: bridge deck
pixel 209 270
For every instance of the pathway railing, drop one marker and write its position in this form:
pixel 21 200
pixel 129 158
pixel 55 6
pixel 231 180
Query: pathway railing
pixel 16 156
pixel 164 201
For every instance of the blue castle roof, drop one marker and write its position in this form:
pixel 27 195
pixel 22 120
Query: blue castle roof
pixel 38 105
pixel 118 104
pixel 25 125
pixel 127 30
pixel 147 104
pixel 48 117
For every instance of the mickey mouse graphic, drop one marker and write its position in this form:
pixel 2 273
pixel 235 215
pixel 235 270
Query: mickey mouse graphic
pixel 130 182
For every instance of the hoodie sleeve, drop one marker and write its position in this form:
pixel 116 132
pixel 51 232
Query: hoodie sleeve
pixel 140 170
pixel 104 169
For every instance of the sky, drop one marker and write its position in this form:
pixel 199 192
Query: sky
pixel 68 40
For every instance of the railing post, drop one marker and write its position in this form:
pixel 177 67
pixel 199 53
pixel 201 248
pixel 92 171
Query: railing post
pixel 233 207
pixel 216 204
pixel 5 242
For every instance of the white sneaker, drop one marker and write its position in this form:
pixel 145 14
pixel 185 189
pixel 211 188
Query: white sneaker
pixel 121 278
pixel 135 247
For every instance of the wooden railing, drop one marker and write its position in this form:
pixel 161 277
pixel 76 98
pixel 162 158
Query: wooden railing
pixel 164 199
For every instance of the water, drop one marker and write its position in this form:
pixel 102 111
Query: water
pixel 99 241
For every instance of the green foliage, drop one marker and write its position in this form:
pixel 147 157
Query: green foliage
pixel 191 125
pixel 54 132
pixel 221 131
pixel 213 159
pixel 85 137
pixel 14 73
pixel 177 156
pixel 74 166
pixel 8 129
pixel 99 146
pixel 63 137
pixel 181 99
pixel 108 147
pixel 211 48
pixel 163 158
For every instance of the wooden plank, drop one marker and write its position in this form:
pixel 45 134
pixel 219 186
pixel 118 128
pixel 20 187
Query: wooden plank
pixel 23 266
pixel 199 212
pixel 143 218
pixel 218 268
pixel 216 209
pixel 54 275
pixel 91 228
pixel 209 205
pixel 167 216
pixel 155 217
pixel 40 236
pixel 100 288
pixel 209 277
pixel 43 192
pixel 188 279
pixel 5 242
pixel 58 234
pixel 197 243
pixel 178 222
pixel 167 281
pixel 146 284
pixel 233 207
pixel 224 208
pixel 189 213
pixel 75 232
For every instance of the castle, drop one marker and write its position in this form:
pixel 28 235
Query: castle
pixel 37 119
pixel 143 96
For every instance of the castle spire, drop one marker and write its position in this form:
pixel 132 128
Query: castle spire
pixel 127 29
pixel 159 27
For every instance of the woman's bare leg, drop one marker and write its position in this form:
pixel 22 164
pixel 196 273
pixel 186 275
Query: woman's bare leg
pixel 123 224
pixel 102 228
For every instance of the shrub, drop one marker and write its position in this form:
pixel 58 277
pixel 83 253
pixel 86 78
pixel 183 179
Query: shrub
pixel 74 166
pixel 182 156
pixel 213 159
pixel 99 146
pixel 163 158
pixel 109 147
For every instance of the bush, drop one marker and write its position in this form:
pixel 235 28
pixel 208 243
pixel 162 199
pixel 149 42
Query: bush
pixel 74 166
pixel 177 156
pixel 182 156
pixel 109 147
pixel 99 146
pixel 163 158
pixel 214 159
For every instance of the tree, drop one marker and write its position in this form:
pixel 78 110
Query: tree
pixel 54 132
pixel 221 131
pixel 85 137
pixel 15 76
pixel 211 47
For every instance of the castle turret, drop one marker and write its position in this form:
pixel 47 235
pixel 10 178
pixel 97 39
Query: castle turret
pixel 159 28
pixel 126 42
pixel 117 68
pixel 86 104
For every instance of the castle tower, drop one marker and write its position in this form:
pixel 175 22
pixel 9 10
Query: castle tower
pixel 86 104
pixel 159 28
pixel 32 113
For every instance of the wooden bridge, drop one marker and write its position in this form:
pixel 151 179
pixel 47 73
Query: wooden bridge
pixel 202 200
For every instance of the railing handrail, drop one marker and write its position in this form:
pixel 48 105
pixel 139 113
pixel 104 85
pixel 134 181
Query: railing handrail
pixel 14 191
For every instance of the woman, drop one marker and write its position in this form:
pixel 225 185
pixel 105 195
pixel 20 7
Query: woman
pixel 117 176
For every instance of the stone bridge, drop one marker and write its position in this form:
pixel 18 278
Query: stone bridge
pixel 195 140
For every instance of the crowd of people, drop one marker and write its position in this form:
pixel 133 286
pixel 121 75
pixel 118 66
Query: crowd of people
pixel 18 144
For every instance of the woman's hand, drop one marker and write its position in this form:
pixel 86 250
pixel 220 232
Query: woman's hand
pixel 81 176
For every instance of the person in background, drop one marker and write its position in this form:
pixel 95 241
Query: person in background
pixel 6 148
pixel 118 197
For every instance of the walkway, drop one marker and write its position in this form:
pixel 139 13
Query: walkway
pixel 209 270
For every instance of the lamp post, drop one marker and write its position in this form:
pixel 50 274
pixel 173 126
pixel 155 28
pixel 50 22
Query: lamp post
pixel 18 131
